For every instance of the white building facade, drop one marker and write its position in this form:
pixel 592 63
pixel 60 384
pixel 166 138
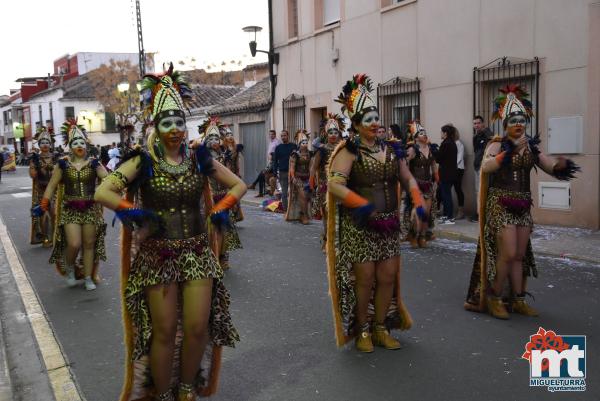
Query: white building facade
pixel 443 61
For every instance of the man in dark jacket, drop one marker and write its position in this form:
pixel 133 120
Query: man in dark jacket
pixel 446 158
pixel 281 164
pixel 481 137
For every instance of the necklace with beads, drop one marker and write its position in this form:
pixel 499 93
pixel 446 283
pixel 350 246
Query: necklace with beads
pixel 175 169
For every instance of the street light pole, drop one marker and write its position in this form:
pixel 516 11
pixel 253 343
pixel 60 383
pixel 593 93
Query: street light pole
pixel 141 53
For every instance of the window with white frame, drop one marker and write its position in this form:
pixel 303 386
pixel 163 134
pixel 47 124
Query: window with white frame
pixel 331 12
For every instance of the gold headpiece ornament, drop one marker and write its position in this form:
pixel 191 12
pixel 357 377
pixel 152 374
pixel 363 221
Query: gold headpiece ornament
pixel 356 97
pixel 71 131
pixel 43 133
pixel 165 95
pixel 513 100
pixel 210 129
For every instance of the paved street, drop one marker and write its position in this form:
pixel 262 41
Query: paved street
pixel 282 311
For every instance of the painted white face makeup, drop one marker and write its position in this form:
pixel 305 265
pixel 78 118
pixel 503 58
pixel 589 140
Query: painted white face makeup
pixel 78 143
pixel 516 120
pixel 370 118
pixel 169 124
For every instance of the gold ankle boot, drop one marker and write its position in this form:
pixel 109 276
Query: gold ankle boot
pixel 519 306
pixel 382 338
pixel 496 308
pixel 363 342
pixel 186 392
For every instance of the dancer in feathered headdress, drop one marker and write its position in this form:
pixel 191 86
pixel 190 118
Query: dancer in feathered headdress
pixel 332 127
pixel 212 133
pixel 174 284
pixel 79 220
pixel 40 170
pixel 233 151
pixel 422 165
pixel 505 222
pixel 363 176
pixel 299 174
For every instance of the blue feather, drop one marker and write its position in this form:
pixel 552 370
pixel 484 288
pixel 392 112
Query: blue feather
pixel 37 211
pixel 361 214
pixel 421 213
pixel 398 149
pixel 221 219
pixel 204 160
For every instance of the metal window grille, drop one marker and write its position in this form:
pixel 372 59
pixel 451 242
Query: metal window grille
pixel 399 101
pixel 294 108
pixel 487 80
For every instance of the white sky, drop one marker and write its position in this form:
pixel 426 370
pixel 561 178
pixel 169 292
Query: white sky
pixel 36 32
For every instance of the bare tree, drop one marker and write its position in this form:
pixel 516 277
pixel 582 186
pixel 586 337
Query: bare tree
pixel 124 105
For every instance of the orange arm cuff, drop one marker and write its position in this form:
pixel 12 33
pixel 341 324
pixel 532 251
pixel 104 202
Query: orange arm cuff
pixel 416 197
pixel 226 203
pixel 45 204
pixel 354 200
pixel 499 157
pixel 125 204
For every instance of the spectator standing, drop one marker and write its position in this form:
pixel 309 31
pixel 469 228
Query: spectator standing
pixel 446 159
pixel 281 164
pixel 460 172
pixel 481 137
pixel 262 176
pixel 1 163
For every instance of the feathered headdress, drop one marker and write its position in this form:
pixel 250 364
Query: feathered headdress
pixel 356 98
pixel 70 131
pixel 513 99
pixel 210 129
pixel 165 94
pixel 414 127
pixel 300 136
pixel 43 133
pixel 334 121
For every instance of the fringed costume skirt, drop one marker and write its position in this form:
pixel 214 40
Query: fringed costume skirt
pixel 231 237
pixel 502 208
pixel 79 212
pixel 297 188
pixel 37 234
pixel 355 244
pixel 162 262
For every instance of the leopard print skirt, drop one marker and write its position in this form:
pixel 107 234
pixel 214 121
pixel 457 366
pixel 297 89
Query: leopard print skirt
pixel 92 216
pixel 166 261
pixel 356 245
pixel 296 188
pixel 498 216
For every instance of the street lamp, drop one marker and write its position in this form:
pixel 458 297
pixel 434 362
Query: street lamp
pixel 123 86
pixel 252 30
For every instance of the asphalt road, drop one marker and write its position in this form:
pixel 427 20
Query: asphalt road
pixel 282 311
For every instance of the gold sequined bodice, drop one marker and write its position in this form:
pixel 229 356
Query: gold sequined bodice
pixel 302 161
pixel 44 171
pixel 326 151
pixel 376 181
pixel 216 187
pixel 177 199
pixel 79 184
pixel 420 166
pixel 516 176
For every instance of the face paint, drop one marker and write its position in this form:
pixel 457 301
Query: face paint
pixel 515 126
pixel 369 124
pixel 304 143
pixel 79 147
pixel 333 135
pixel 44 145
pixel 172 131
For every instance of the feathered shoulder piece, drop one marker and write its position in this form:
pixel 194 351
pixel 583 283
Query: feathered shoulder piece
pixel 239 148
pixel 513 99
pixel 165 94
pixel 355 96
pixel 397 148
pixel 70 131
pixel 63 162
pixel 144 166
pixel 203 160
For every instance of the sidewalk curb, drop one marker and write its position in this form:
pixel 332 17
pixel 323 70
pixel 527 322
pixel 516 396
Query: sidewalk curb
pixel 49 353
pixel 456 236
pixel 461 237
